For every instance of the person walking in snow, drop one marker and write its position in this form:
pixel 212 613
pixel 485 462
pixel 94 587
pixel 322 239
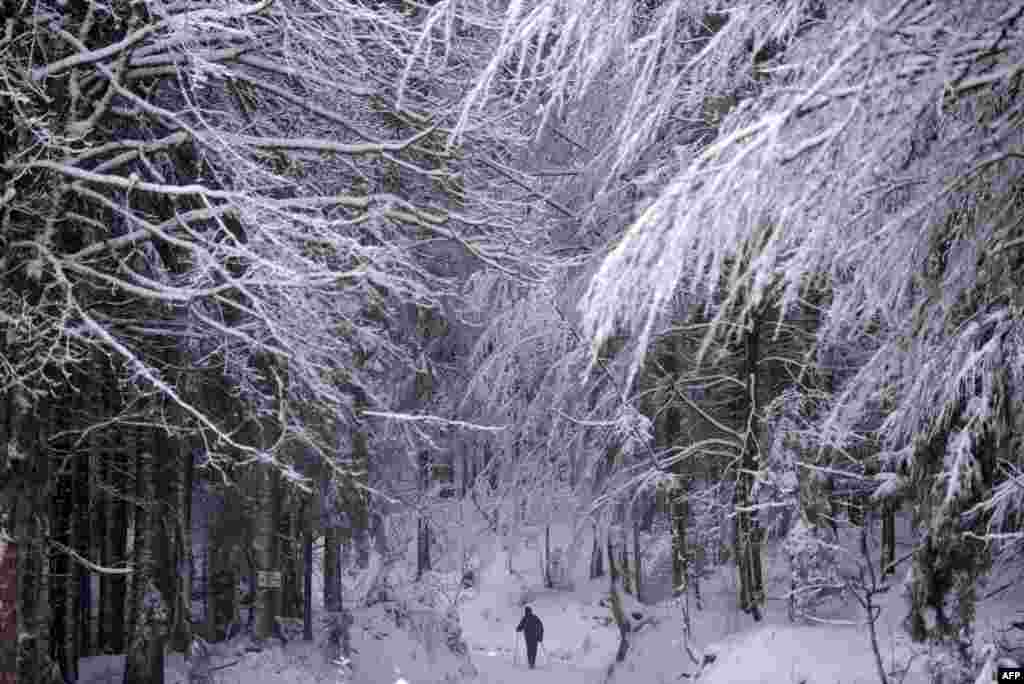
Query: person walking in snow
pixel 533 630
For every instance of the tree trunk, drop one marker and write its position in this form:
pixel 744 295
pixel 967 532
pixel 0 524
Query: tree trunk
pixel 307 579
pixel 637 561
pixel 8 608
pixel 360 516
pixel 209 626
pixel 267 600
pixel 888 539
pixel 622 620
pixel 627 574
pixel 680 521
pixel 144 661
pixel 168 552
pixel 221 587
pixel 332 570
pixel 34 663
pixel 64 639
pixel 132 450
pixel 251 567
pixel 338 621
pixel 182 629
pixel 700 559
pixel 98 478
pixel 596 557
pixel 613 568
pixel 291 568
pixel 82 600
pixel 547 557
pixel 757 553
pixel 31 521
pixel 423 563
pixel 423 527
pixel 114 588
pixel 747 549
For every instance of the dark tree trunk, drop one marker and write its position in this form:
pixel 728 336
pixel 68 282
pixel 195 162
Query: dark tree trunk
pixel 677 499
pixel 680 520
pixel 267 599
pixel 65 588
pixel 144 659
pixel 747 548
pixel 423 527
pixel 82 598
pixel 113 588
pixel 8 609
pixel 332 570
pixel 291 573
pixel 34 612
pixel 547 557
pixel 888 539
pixel 613 568
pixel 31 531
pixel 637 561
pixel 627 574
pixel 361 513
pixel 647 519
pixel 144 662
pixel 98 469
pixel 180 528
pixel 338 620
pixel 596 557
pixel 62 571
pixel 307 579
pixel 221 588
pixel 622 620
pixel 133 464
pixel 163 518
pixel 423 563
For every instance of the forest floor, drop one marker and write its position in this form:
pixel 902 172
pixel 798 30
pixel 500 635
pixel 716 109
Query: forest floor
pixel 502 668
pixel 580 641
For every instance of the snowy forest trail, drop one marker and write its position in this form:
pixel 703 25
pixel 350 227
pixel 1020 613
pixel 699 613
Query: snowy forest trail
pixel 501 669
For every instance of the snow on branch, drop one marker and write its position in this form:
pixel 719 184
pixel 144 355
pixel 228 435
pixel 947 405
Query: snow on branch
pixel 434 420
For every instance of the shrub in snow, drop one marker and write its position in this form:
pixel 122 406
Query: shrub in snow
pixel 814 569
pixel 338 625
pixel 288 629
pixel 558 571
pixel 453 633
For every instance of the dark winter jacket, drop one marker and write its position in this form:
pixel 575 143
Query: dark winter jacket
pixel 531 627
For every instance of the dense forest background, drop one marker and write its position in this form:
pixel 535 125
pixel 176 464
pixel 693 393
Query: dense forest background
pixel 286 271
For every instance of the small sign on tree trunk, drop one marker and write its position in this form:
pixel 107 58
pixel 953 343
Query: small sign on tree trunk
pixel 268 579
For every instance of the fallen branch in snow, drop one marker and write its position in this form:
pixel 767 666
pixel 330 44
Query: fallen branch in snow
pixel 834 623
pixel 224 667
pixel 995 592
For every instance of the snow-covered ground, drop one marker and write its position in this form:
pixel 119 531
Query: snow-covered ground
pixel 403 641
